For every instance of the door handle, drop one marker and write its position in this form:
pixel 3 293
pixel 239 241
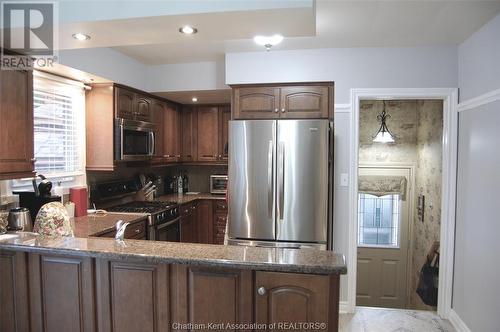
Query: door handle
pixel 281 179
pixel 270 187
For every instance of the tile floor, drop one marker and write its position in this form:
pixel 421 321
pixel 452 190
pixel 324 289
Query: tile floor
pixel 392 320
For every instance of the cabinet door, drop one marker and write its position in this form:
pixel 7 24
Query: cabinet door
pixel 256 103
pixel 204 224
pixel 143 108
pixel 203 295
pixel 16 124
pixel 171 134
pixel 125 103
pixel 188 134
pixel 298 102
pixel 289 297
pixel 188 223
pixel 224 117
pixel 158 109
pixel 131 296
pixel 208 133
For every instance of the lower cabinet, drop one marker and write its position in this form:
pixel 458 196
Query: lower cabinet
pixel 219 221
pixel 81 293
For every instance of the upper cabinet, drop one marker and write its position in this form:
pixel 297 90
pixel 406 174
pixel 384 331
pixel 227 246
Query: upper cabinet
pixel 224 117
pixel 286 101
pixel 208 133
pixel 16 124
pixel 171 133
pixel 132 105
pixel 189 131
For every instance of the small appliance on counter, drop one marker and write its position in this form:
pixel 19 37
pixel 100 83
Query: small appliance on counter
pixel 19 219
pixel 34 200
pixel 218 184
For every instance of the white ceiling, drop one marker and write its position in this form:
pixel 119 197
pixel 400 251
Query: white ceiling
pixel 338 24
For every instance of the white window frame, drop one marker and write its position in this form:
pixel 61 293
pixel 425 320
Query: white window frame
pixel 67 179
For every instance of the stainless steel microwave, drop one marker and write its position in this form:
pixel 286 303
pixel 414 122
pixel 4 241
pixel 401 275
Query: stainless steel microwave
pixel 218 184
pixel 134 140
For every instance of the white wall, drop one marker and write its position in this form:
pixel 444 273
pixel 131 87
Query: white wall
pixel 476 293
pixel 479 61
pixel 411 67
pixel 107 63
pixel 425 67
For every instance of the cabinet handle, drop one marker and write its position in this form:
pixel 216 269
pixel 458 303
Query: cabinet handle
pixel 261 290
pixel 33 160
pixel 275 110
pixel 178 155
pixel 167 156
pixel 282 110
pixel 137 231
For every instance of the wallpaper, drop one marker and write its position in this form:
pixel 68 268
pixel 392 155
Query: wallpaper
pixel 418 128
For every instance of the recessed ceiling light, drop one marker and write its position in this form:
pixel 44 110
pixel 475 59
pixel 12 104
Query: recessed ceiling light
pixel 188 30
pixel 268 41
pixel 194 99
pixel 81 36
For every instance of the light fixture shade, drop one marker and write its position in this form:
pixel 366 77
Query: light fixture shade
pixel 383 137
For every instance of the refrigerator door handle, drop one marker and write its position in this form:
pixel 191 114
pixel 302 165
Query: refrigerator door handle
pixel 270 185
pixel 281 179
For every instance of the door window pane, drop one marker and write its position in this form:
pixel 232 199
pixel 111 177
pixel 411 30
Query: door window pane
pixel 378 220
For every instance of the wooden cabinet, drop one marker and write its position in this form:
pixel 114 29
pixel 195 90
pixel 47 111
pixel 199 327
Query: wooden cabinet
pixel 208 133
pixel 131 297
pixel 16 124
pixel 256 102
pixel 188 223
pixel 296 298
pixel 219 221
pixel 78 292
pixel 189 134
pixel 205 295
pixel 224 117
pixel 204 224
pixel 158 108
pixel 171 133
pixel 283 101
pixel 132 105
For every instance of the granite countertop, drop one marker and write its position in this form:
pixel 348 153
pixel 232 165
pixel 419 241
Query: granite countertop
pixel 184 198
pixel 98 224
pixel 256 258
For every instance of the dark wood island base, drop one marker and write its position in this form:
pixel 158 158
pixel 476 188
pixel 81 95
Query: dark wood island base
pixel 71 290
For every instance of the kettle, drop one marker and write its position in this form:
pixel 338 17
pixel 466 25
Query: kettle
pixel 44 187
pixel 19 219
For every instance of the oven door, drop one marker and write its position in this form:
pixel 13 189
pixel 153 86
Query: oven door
pixel 169 231
pixel 135 140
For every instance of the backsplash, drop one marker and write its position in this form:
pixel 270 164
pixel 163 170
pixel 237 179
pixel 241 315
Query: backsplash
pixel 199 176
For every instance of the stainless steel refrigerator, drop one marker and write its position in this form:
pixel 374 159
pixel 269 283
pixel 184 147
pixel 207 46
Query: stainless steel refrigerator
pixel 280 183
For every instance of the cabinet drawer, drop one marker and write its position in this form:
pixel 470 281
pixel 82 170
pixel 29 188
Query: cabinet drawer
pixel 136 231
pixel 187 209
pixel 221 220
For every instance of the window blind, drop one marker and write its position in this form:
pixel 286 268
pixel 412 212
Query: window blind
pixel 57 125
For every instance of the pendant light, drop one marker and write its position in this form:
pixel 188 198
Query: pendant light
pixel 383 135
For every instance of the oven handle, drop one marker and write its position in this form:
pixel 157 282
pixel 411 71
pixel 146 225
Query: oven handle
pixel 171 222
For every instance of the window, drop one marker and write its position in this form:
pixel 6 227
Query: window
pixel 59 127
pixel 378 220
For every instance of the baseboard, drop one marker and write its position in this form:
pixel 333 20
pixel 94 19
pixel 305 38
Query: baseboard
pixel 457 322
pixel 343 307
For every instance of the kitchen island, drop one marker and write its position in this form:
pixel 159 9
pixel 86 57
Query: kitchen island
pixel 89 284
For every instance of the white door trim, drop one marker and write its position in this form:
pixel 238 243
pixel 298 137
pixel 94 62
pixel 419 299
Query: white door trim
pixel 450 136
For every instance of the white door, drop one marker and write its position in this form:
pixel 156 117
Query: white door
pixel 383 242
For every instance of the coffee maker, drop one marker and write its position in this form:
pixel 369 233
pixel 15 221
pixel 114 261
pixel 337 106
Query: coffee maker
pixel 34 200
